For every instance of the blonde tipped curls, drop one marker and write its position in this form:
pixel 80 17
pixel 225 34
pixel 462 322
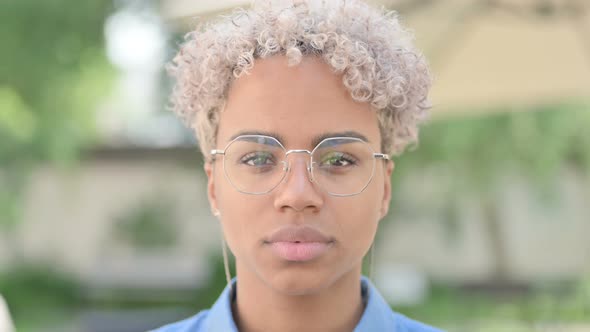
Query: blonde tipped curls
pixel 370 49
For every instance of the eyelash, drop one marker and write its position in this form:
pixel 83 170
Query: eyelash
pixel 250 156
pixel 349 159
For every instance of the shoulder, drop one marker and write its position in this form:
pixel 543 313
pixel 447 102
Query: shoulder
pixel 405 324
pixel 192 324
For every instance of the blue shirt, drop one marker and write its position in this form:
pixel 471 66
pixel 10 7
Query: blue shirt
pixel 377 316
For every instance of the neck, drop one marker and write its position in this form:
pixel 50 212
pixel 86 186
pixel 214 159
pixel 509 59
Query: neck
pixel 259 307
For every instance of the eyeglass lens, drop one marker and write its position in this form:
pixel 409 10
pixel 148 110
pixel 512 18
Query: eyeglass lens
pixel 257 164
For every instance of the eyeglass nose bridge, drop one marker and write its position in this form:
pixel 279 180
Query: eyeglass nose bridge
pixel 287 165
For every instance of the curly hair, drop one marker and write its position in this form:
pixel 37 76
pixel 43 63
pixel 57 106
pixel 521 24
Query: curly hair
pixel 370 49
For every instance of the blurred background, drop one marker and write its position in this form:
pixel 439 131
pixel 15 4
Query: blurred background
pixel 104 224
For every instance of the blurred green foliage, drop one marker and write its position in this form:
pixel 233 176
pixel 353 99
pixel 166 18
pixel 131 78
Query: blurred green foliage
pixel 150 224
pixel 450 305
pixel 40 293
pixel 477 150
pixel 54 70
pixel 53 73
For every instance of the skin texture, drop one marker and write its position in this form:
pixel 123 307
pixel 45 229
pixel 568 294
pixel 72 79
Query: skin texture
pixel 298 103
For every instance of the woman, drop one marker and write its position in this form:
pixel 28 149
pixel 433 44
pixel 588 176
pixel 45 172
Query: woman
pixel 297 108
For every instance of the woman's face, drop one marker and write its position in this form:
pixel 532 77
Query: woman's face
pixel 299 104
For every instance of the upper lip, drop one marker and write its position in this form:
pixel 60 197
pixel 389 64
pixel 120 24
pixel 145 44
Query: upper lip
pixel 298 234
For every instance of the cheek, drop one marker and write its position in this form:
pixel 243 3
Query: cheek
pixel 358 221
pixel 240 216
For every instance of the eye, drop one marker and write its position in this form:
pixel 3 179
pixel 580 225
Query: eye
pixel 337 159
pixel 258 159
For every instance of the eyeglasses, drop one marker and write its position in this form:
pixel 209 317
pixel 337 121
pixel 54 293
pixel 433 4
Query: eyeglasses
pixel 256 164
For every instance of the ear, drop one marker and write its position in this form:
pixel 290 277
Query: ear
pixel 389 166
pixel 211 194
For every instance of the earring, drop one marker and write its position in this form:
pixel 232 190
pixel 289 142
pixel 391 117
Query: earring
pixel 216 213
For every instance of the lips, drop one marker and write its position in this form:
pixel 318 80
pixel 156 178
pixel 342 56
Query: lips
pixel 298 234
pixel 299 243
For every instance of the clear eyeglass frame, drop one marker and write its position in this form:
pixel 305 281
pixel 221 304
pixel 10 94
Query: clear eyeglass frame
pixel 287 166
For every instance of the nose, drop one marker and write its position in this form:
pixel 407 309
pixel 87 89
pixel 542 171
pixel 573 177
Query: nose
pixel 297 191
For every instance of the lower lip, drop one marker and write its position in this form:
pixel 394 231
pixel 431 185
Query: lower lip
pixel 299 252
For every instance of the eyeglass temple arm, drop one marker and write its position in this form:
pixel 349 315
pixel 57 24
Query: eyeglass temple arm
pixel 216 152
pixel 381 156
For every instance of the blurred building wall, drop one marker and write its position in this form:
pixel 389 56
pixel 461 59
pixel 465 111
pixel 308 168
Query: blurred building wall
pixel 71 218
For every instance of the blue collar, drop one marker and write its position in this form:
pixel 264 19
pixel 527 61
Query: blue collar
pixel 377 316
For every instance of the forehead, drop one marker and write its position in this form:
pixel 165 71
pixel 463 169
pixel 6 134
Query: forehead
pixel 298 104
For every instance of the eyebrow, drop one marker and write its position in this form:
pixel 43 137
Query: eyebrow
pixel 279 137
pixel 350 133
pixel 314 142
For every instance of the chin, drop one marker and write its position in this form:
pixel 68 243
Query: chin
pixel 299 282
